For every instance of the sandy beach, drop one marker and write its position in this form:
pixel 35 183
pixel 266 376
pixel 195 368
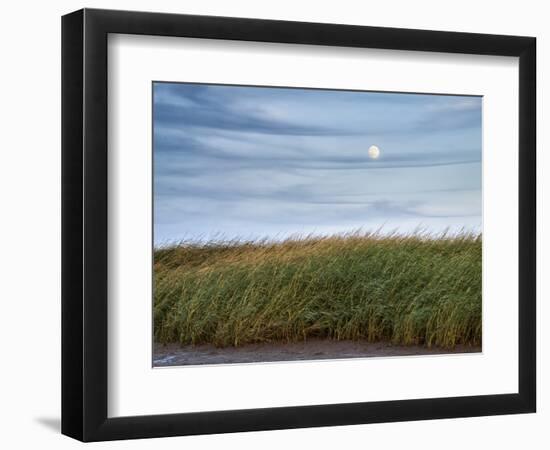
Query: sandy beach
pixel 313 349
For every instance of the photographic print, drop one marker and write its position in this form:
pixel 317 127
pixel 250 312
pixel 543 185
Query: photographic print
pixel 295 224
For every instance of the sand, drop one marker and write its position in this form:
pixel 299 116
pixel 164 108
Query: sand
pixel 314 349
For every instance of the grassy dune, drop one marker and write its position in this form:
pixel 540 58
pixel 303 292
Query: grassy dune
pixel 415 289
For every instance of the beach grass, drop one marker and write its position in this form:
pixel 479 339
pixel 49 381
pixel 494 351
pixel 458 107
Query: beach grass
pixel 416 289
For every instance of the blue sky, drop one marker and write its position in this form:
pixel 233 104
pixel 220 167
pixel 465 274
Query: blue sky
pixel 252 162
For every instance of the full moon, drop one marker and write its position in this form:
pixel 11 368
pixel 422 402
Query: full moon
pixel 374 152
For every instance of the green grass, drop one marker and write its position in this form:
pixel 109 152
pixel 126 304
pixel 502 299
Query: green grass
pixel 415 289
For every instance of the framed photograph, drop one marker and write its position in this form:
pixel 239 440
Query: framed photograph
pixel 272 224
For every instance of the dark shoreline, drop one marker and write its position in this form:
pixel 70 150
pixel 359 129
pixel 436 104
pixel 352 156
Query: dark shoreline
pixel 311 350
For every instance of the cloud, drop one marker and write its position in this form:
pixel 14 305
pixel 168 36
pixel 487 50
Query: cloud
pixel 267 161
pixel 289 111
pixel 192 106
pixel 252 154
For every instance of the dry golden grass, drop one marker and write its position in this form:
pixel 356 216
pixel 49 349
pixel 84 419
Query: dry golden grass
pixel 414 289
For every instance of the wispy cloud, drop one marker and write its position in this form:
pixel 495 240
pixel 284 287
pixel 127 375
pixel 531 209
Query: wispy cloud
pixel 269 161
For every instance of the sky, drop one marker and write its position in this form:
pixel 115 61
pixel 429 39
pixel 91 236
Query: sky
pixel 242 162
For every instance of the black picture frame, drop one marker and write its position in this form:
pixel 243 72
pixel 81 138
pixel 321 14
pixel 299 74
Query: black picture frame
pixel 84 224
